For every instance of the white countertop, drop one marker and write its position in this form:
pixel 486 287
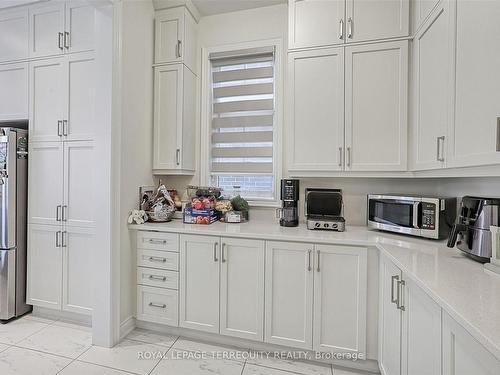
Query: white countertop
pixel 458 284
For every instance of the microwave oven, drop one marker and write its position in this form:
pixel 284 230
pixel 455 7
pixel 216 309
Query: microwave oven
pixel 429 217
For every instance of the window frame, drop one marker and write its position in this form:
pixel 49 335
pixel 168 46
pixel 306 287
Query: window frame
pixel 206 112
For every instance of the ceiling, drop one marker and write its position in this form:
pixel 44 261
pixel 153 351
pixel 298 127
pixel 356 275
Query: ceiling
pixel 211 7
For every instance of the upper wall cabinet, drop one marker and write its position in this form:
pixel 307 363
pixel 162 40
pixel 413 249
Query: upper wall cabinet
pixel 315 23
pixel 61 27
pixel 475 137
pixel 432 94
pixel 14 34
pixel 175 37
pixel 14 91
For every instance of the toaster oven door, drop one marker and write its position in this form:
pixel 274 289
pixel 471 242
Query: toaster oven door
pixel 395 214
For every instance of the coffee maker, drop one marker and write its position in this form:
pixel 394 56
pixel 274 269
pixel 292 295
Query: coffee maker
pixel 289 211
pixel 472 233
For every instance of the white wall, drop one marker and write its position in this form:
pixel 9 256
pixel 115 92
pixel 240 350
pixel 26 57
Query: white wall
pixel 136 132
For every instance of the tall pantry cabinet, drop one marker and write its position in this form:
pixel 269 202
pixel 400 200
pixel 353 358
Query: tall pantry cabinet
pixel 61 156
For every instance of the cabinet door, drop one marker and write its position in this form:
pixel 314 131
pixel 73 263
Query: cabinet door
pixel 169 35
pixel 80 118
pixel 47 29
pixel 80 26
pixel 77 287
pixel 432 90
pixel 316 107
pixel 376 19
pixel 48 84
pixel 421 333
pixel 340 296
pixel 188 143
pixel 289 294
pixel 14 31
pixel 78 209
pixel 242 289
pixel 199 287
pixel 420 10
pixel 44 266
pixel 168 98
pixel 315 23
pixel 376 107
pixel 389 329
pixel 13 91
pixel 463 354
pixel 45 196
pixel 475 139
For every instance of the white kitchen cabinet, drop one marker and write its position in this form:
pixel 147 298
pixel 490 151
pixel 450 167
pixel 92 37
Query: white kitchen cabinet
pixel 289 294
pixel 175 37
pixel 47 84
pixel 77 207
pixel 419 12
pixel 242 288
pixel 376 19
pixel 462 354
pixel 340 312
pixel 174 120
pixel 475 137
pixel 315 23
pixel 44 268
pixel 77 245
pixel 316 110
pixel 14 29
pixel 59 27
pixel 13 91
pixel 45 196
pixel 376 123
pixel 157 305
pixel 199 283
pixel 389 330
pixel 421 332
pixel 432 94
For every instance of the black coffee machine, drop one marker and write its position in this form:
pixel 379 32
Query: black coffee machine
pixel 289 211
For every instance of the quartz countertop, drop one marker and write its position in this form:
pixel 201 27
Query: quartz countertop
pixel 458 284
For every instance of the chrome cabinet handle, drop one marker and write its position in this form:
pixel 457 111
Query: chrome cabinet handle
pixel 395 277
pixel 159 305
pixel 309 268
pixel 64 236
pixel 178 156
pixel 66 40
pixel 440 148
pixel 159 278
pixel 179 48
pixel 223 258
pixel 64 213
pixel 59 127
pixel 215 252
pixel 65 127
pixel 59 41
pixel 349 28
pixel 317 268
pixel 157 259
pixel 58 244
pixel 341 29
pixel 348 156
pixel 400 286
pixel 58 212
pixel 156 241
pixel 340 156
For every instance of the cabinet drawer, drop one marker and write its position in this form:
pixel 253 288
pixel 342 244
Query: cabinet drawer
pixel 157 305
pixel 158 241
pixel 158 278
pixel 158 259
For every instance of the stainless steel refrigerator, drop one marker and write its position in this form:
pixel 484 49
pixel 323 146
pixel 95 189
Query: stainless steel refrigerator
pixel 13 215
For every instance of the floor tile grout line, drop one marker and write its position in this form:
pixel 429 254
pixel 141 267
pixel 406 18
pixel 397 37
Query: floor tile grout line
pixel 243 367
pixel 163 357
pixel 41 351
pixel 280 369
pixel 112 368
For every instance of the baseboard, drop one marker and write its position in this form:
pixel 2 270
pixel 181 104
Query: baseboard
pixel 66 316
pixel 127 326
pixel 369 365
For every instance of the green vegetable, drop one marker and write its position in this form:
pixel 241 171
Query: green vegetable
pixel 239 204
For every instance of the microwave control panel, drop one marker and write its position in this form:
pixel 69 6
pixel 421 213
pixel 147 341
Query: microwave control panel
pixel 428 216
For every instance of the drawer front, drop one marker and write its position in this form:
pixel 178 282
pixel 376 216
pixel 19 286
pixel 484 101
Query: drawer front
pixel 157 305
pixel 158 278
pixel 158 259
pixel 158 241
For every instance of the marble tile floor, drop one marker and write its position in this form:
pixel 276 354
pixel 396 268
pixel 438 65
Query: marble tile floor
pixel 37 346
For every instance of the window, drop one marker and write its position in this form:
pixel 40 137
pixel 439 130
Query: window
pixel 242 122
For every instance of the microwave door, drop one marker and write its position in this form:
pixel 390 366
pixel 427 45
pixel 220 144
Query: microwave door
pixel 401 216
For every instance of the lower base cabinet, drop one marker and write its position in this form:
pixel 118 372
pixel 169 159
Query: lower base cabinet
pixel 59 268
